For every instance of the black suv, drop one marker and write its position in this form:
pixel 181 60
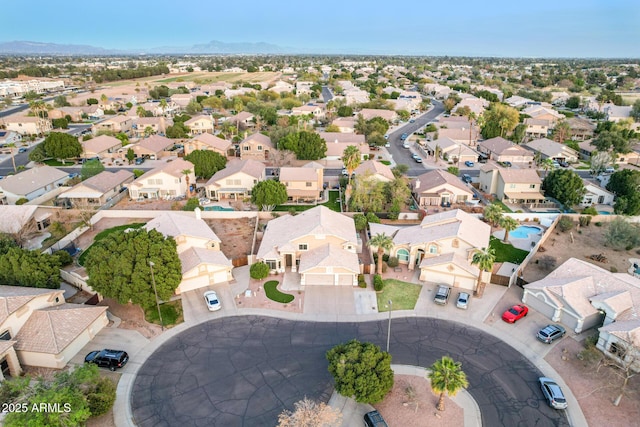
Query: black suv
pixel 442 295
pixel 374 419
pixel 111 359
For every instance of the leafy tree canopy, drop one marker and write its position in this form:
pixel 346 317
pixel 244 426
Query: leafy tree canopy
pixel 607 140
pixel 206 162
pixel 361 370
pixel 268 193
pixel 626 186
pixel 500 119
pixel 62 146
pixel 565 186
pixel 118 266
pixel 91 168
pixel 22 267
pixel 306 145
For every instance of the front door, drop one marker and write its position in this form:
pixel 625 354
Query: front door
pixel 288 260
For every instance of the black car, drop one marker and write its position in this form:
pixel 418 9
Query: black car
pixel 466 178
pixel 374 419
pixel 111 359
pixel 139 160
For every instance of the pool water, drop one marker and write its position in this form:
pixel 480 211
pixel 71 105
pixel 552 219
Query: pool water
pixel 604 213
pixel 217 208
pixel 524 231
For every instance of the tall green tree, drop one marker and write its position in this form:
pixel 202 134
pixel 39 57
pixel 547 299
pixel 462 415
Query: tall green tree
pixel 492 213
pixel 621 234
pixel 446 376
pixel 483 259
pixel 118 267
pixel 608 140
pixel 206 162
pixel 306 145
pixel 382 243
pixel 625 184
pixel 131 155
pixel 509 224
pixel 62 146
pixel 361 370
pixel 91 168
pixel 635 111
pixel 367 195
pixel 268 194
pixel 499 120
pixel 565 186
pixel 22 267
pixel 351 157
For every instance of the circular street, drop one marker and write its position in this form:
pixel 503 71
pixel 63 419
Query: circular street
pixel 243 371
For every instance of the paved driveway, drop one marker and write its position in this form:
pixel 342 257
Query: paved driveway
pixel 243 371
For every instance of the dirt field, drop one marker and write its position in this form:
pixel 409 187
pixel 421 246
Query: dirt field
pixel 589 242
pixel 403 408
pixel 596 389
pixel 236 235
pixel 86 239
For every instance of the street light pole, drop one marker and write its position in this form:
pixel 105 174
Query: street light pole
pixel 153 282
pixel 389 325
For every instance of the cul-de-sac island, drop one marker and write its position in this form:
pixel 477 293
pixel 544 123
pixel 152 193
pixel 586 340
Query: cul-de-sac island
pixel 297 240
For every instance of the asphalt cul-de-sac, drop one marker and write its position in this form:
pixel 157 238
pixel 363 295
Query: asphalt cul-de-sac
pixel 243 371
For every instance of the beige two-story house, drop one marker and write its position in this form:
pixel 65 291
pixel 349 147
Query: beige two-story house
pixel 166 181
pixel 199 124
pixel 207 141
pixel 501 150
pixel 511 185
pixel 236 180
pixel 256 147
pixel 303 183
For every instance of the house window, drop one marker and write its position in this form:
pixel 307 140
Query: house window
pixel 403 255
pixel 532 186
pixel 308 184
pixel 614 349
pixel 245 148
pixel 455 243
pixel 5 336
pixel 433 249
pixel 259 147
pixel 273 265
pixel 303 247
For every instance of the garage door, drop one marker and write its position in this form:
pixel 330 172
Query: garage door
pixel 219 277
pixel 540 306
pixel 345 279
pixel 194 283
pixel 318 279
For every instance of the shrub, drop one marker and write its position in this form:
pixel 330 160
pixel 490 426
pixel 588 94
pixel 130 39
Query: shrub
pixel 101 396
pixel 385 257
pixel 598 224
pixel 585 221
pixel 613 269
pixel 259 270
pixel 621 234
pixel 361 282
pixel 565 224
pixel 547 262
pixel 21 201
pixel 64 257
pixel 392 262
pixel 372 218
pixel 378 284
pixel 590 211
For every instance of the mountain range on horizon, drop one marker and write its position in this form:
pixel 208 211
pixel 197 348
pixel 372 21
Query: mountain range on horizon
pixel 212 47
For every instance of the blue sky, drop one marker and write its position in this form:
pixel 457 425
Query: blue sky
pixel 559 28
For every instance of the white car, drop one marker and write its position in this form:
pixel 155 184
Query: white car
pixel 213 303
pixel 204 201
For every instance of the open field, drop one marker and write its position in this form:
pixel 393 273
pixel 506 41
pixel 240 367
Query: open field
pixel 200 77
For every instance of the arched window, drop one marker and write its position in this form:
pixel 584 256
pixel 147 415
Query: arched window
pixel 433 249
pixel 403 255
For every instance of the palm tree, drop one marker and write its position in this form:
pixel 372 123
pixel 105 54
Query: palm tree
pixel 104 99
pixel 492 213
pixel 383 243
pixel 509 224
pixel 13 160
pixel 186 173
pixel 446 376
pixel 483 259
pixel 163 105
pixel 140 111
pixel 351 158
pixel 546 165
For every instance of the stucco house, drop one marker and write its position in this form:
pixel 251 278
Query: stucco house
pixel 236 180
pixel 143 125
pixel 97 190
pixel 303 183
pixel 442 247
pixel 345 124
pixel 439 188
pixel 207 141
pixel 164 182
pixel 256 147
pixel 537 128
pixel 38 328
pixel 451 150
pixel 154 147
pixel 337 142
pixel 198 248
pixel 25 125
pixel 511 185
pixel 199 124
pixel 316 111
pixel 549 149
pixel 370 113
pixel 25 223
pixel 581 129
pixel 31 183
pixel 319 244
pixel 243 119
pixel 116 124
pixel 502 150
pixel 595 195
pixel 103 146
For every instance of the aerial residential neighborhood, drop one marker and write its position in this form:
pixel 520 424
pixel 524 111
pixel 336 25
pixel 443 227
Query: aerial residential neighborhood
pixel 238 234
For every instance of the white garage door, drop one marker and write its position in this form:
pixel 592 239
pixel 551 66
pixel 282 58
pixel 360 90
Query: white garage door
pixel 318 279
pixel 194 283
pixel 219 277
pixel 345 279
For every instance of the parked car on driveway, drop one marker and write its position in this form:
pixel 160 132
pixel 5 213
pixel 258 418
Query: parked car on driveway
pixel 139 160
pixel 442 295
pixel 468 163
pixel 515 313
pixel 22 150
pixel 418 159
pixel 212 301
pixel 463 300
pixel 111 359
pixel 550 333
pixel 374 419
pixel 404 136
pixel 553 393
pixel 466 178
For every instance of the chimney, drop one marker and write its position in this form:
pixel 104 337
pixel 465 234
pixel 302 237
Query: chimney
pixel 198 215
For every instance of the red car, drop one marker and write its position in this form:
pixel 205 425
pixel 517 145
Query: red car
pixel 516 312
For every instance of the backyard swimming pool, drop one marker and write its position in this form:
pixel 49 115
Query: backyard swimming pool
pixel 524 231
pixel 217 208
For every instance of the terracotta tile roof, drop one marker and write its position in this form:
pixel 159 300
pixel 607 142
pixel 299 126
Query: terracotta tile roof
pixel 101 143
pixel 32 179
pixel 155 143
pixel 193 257
pixel 298 174
pixel 450 258
pixel 435 178
pixel 250 167
pixel 175 224
pixel 6 345
pixel 213 141
pixel 376 168
pixel 14 297
pixel 329 256
pixel 52 329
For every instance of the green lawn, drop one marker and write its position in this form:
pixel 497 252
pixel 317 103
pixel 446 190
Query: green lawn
pixel 403 295
pixel 270 288
pixel 104 233
pixel 171 314
pixel 333 204
pixel 502 205
pixel 505 252
pixel 54 162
